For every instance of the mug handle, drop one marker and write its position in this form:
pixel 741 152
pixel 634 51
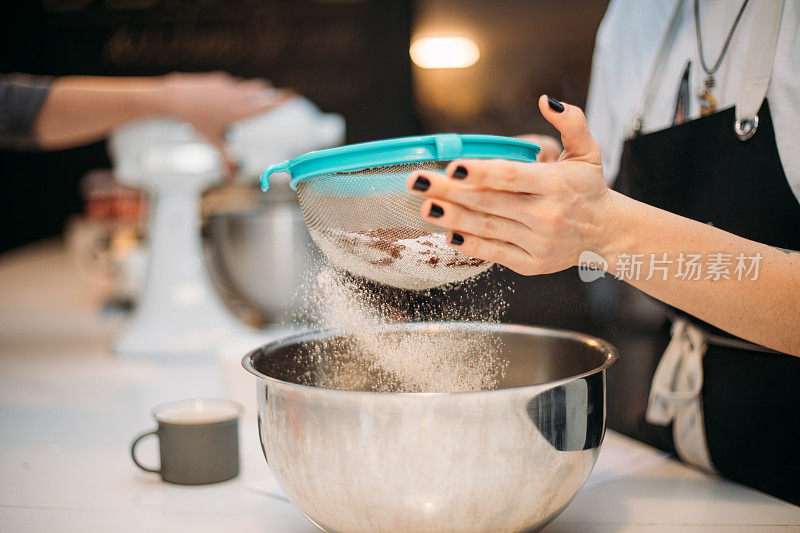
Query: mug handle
pixel 133 451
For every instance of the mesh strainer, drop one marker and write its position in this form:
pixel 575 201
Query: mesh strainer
pixel 361 215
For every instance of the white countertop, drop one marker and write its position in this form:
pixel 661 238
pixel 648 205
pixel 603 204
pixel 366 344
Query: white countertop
pixel 69 408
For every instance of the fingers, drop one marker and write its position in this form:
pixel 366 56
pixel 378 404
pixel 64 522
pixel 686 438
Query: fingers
pixel 455 217
pixel 501 175
pixel 231 165
pixel 502 253
pixel 253 86
pixel 435 185
pixel 256 83
pixel 253 103
pixel 571 122
pixel 273 98
pixel 218 74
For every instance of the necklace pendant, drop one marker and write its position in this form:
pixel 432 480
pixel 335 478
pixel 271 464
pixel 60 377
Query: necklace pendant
pixel 708 104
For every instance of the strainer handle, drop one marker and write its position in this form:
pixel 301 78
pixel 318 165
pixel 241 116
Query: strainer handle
pixel 277 167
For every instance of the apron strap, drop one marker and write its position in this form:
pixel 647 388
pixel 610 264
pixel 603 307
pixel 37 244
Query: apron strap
pixel 757 66
pixel 656 72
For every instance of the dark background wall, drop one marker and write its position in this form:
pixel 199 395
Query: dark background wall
pixel 528 47
pixel 348 56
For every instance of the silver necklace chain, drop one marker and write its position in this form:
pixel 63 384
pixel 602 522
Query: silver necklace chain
pixel 711 71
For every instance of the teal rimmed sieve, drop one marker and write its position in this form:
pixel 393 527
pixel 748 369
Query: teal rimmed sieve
pixel 361 215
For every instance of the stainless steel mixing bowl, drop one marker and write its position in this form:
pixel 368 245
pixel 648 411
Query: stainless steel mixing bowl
pixel 263 254
pixel 506 460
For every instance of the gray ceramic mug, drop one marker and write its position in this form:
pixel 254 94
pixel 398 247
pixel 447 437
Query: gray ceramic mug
pixel 198 441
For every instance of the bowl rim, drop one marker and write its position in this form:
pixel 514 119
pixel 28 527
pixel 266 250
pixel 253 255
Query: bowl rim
pixel 610 352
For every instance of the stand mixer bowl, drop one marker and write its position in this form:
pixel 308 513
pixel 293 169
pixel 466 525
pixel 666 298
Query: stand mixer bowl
pixel 263 254
pixel 505 460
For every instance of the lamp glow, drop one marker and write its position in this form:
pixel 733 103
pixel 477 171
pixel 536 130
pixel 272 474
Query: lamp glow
pixel 444 52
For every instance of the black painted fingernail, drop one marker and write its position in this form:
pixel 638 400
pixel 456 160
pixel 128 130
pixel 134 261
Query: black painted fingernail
pixel 457 239
pixel 436 211
pixel 422 184
pixel 555 105
pixel 460 173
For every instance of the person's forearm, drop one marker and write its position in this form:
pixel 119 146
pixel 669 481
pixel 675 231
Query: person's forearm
pixel 764 310
pixel 84 109
pixel 539 218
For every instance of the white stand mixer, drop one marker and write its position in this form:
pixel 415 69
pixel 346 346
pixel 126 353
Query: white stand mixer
pixel 179 312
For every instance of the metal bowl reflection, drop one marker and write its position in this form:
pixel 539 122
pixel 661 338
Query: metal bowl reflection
pixel 505 460
pixel 262 254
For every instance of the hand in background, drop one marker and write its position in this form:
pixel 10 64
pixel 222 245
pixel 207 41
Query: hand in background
pixel 211 101
pixel 84 109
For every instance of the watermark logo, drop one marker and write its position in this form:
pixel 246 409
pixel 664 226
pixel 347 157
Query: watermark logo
pixel 591 266
pixel 685 266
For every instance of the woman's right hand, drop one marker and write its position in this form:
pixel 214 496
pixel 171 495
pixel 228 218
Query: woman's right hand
pixel 534 218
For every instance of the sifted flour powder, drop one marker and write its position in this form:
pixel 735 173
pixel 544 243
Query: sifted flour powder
pixel 411 361
pixel 403 257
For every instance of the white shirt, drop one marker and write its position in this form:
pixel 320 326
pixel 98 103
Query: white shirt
pixel 625 49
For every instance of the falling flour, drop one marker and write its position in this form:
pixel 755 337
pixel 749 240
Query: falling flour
pixel 365 355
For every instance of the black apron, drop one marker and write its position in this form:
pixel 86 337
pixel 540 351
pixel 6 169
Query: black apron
pixel 750 398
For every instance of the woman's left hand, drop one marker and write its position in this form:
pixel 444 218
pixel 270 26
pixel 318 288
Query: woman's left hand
pixel 535 218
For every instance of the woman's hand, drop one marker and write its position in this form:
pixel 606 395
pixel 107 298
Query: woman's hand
pixel 537 218
pixel 84 109
pixel 211 101
pixel 534 218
